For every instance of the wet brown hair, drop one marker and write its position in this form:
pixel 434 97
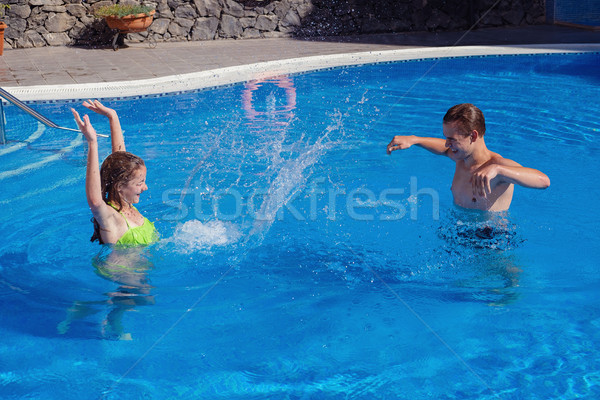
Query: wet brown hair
pixel 117 169
pixel 468 117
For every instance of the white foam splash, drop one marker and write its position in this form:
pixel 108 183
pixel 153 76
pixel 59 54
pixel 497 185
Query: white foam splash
pixel 194 235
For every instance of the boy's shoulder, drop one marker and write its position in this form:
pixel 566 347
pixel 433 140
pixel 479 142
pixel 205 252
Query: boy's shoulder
pixel 498 159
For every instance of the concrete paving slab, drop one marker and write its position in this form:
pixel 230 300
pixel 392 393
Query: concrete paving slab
pixel 28 67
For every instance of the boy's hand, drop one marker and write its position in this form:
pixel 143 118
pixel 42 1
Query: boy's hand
pixel 482 179
pixel 399 143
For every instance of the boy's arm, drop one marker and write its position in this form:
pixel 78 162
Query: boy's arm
pixel 116 134
pixel 434 145
pixel 507 171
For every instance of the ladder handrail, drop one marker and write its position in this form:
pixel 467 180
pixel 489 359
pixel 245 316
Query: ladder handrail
pixel 12 99
pixel 2 134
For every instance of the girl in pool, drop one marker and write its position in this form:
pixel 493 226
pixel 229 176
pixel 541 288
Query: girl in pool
pixel 111 192
pixel 113 189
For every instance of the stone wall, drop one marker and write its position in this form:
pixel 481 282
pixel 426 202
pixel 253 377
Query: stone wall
pixel 35 23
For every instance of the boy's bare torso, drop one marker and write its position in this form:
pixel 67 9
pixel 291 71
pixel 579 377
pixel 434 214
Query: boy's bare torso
pixel 462 189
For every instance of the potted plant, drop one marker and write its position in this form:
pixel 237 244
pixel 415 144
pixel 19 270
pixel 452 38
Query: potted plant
pixel 126 18
pixel 2 26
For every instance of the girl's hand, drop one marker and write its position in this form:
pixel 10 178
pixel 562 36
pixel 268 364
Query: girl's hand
pixel 99 108
pixel 85 126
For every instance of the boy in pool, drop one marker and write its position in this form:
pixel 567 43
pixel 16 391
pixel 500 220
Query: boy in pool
pixel 483 179
pixel 113 189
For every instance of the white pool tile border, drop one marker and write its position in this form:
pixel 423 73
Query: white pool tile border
pixel 242 73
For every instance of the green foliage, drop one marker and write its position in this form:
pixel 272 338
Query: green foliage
pixel 2 7
pixel 122 10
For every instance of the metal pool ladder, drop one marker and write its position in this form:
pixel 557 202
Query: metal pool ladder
pixel 12 99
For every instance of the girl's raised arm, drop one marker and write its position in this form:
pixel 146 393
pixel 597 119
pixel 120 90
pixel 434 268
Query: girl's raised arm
pixel 93 189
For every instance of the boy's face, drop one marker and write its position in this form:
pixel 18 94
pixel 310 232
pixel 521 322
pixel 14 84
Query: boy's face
pixel 456 141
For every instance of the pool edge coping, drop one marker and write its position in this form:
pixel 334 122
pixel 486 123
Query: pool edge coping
pixel 242 73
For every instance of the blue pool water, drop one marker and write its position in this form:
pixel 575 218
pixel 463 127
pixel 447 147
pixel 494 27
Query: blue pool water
pixel 298 260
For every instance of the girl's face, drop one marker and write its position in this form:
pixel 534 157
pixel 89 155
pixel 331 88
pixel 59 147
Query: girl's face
pixel 130 191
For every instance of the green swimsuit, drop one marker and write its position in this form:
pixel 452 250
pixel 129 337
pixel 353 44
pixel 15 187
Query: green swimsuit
pixel 138 235
pixel 124 264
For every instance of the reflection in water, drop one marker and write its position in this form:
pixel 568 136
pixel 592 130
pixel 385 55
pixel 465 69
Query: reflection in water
pixel 482 242
pixel 127 267
pixel 283 113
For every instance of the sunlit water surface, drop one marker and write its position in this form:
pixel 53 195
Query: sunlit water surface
pixel 297 259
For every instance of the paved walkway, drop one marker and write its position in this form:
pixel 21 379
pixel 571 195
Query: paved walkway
pixel 72 65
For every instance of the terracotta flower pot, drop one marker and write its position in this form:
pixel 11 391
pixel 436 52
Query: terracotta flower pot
pixel 130 23
pixel 2 28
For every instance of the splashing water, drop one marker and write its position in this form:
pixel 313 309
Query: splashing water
pixel 197 236
pixel 290 177
pixel 272 158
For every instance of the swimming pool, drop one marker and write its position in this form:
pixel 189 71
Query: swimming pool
pixel 299 260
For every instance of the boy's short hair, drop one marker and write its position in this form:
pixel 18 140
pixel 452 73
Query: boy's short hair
pixel 468 117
